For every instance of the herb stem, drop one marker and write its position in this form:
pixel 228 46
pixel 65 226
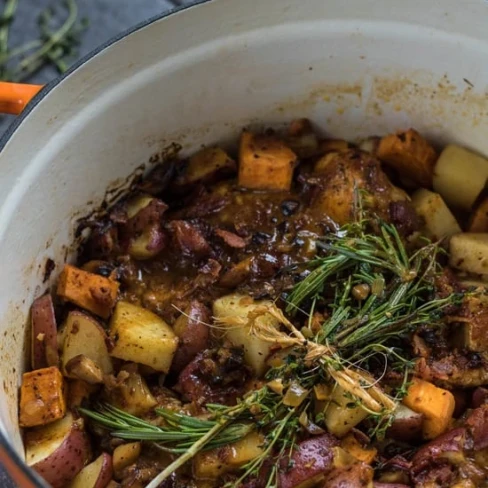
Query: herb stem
pixel 54 39
pixel 7 18
pixel 28 46
pixel 194 449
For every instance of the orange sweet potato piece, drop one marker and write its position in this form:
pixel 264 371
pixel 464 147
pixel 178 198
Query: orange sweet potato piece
pixel 366 454
pixel 265 163
pixel 42 397
pixel 435 403
pixel 410 154
pixel 92 292
pixel 478 221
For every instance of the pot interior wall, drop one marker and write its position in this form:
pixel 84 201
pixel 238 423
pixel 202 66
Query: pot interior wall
pixel 198 77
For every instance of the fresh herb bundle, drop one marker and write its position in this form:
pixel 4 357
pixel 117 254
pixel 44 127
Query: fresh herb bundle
pixel 56 46
pixel 373 293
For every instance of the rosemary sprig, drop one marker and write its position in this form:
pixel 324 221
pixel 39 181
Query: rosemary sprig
pixel 356 334
pixel 53 47
pixel 180 432
pixel 365 258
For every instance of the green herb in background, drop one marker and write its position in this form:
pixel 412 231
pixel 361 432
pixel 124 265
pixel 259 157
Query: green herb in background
pixel 56 44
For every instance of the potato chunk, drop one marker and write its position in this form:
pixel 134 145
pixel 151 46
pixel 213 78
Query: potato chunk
pixel 469 252
pixel 474 332
pixel 125 455
pixel 142 337
pixel 205 166
pixel 341 413
pixel 83 336
pixel 92 292
pixel 265 163
pixel 237 306
pixel 460 176
pixel 131 393
pixel 410 154
pixel 438 219
pixel 42 397
pixel 215 463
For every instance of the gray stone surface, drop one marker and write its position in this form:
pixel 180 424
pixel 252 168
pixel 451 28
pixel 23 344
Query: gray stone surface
pixel 107 19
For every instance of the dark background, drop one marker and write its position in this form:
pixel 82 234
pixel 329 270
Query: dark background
pixel 107 18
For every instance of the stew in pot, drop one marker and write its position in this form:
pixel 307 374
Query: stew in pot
pixel 301 312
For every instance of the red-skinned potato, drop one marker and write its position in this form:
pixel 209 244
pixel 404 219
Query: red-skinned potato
pixel 309 463
pixel 83 335
pixel 58 451
pixel 142 231
pixel 149 244
pixel 124 456
pixel 480 397
pixel 97 474
pixel 193 334
pixel 477 423
pixel 448 447
pixel 44 332
pixel 406 426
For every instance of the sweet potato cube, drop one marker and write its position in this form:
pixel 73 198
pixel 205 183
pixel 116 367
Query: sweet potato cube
pixel 92 292
pixel 265 163
pixel 42 397
pixel 435 403
pixel 410 154
pixel 366 454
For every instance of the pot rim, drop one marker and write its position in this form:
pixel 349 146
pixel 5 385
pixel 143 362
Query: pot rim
pixel 11 462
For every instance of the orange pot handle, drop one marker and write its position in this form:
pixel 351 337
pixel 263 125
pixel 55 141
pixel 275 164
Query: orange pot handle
pixel 15 96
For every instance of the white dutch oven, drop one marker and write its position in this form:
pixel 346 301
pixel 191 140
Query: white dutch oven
pixel 356 67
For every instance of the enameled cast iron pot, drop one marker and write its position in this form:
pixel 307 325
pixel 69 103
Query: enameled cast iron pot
pixel 356 67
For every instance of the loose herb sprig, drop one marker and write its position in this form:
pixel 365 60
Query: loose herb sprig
pixel 56 47
pixel 355 334
pixel 181 433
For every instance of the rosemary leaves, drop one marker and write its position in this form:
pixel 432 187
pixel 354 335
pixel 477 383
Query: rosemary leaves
pixel 337 355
